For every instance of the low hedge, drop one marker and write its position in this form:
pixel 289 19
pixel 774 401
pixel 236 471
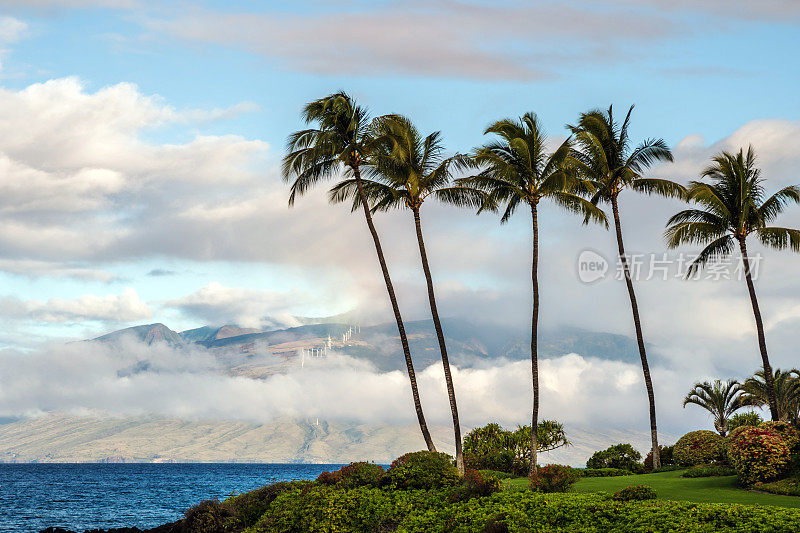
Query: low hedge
pixel 604 472
pixel 787 487
pixel 709 471
pixel 324 509
pixel 635 493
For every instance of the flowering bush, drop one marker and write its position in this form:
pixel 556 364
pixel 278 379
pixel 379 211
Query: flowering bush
pixel 554 478
pixel 789 433
pixel 699 448
pixel 758 454
pixel 636 492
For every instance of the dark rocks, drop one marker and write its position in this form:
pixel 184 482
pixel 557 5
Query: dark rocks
pixel 164 528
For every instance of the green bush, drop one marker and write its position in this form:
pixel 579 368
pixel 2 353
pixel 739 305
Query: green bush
pixel 699 448
pixel 635 493
pixel 604 472
pixel 248 507
pixel 666 454
pixel 787 487
pixel 554 478
pixel 497 474
pixel 474 484
pixel 360 474
pixel 709 471
pixel 750 418
pixel 622 456
pixel 529 511
pixel 789 433
pixel 210 516
pixel 493 448
pixel 758 454
pixel 422 470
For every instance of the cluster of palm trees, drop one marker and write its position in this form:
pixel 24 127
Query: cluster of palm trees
pixel 384 163
pixel 724 398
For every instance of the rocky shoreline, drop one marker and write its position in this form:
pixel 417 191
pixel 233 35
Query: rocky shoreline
pixel 174 527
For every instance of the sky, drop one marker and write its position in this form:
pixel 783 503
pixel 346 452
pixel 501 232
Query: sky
pixel 140 150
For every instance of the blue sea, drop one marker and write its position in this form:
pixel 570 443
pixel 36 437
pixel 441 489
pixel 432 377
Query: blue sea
pixel 90 496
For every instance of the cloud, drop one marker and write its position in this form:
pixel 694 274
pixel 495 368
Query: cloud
pixel 12 30
pixel 192 384
pixel 509 40
pixel 123 307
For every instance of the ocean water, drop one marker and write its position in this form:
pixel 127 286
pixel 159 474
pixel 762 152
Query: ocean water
pixel 89 496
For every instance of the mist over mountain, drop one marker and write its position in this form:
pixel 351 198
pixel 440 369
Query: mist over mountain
pixel 469 344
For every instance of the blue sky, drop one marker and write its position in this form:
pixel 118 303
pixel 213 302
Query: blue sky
pixel 692 68
pixel 139 183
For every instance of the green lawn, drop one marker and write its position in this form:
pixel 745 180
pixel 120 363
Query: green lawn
pixel 670 486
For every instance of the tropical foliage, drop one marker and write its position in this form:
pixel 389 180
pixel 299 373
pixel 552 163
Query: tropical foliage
pixel 787 393
pixel 517 170
pixel 494 448
pixel 719 398
pixel 732 205
pixel 622 456
pixel 408 169
pixel 609 163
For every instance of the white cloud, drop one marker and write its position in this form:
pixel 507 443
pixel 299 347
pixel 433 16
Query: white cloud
pixel 122 307
pixel 11 29
pixel 217 304
pixel 191 384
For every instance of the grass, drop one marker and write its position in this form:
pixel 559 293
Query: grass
pixel 671 486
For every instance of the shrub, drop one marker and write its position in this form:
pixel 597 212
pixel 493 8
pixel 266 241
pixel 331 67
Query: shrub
pixel 789 433
pixel 666 454
pixel 604 472
pixel 635 493
pixel 361 474
pixel 787 487
pixel 494 448
pixel 209 516
pixel 248 507
pixel 709 471
pixel 622 456
pixel 699 448
pixel 750 418
pixel 554 478
pixel 758 454
pixel 497 474
pixel 423 470
pixel 474 484
pixel 329 478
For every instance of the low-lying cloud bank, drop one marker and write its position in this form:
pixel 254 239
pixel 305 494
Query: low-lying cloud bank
pixel 192 384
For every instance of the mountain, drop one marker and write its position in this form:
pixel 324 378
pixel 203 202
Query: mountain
pixel 148 334
pixel 58 438
pixel 469 344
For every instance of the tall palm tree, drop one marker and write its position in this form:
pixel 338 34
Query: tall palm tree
pixel 517 169
pixel 787 393
pixel 731 208
pixel 408 170
pixel 609 162
pixel 344 140
pixel 720 398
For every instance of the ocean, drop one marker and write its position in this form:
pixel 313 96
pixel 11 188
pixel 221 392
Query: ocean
pixel 89 496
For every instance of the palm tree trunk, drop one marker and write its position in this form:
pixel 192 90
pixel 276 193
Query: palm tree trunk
pixel 648 382
pixel 534 339
pixel 437 324
pixel 769 379
pixel 412 377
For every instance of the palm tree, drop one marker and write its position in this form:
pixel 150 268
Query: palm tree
pixel 607 161
pixel 732 207
pixel 408 170
pixel 787 393
pixel 344 141
pixel 518 170
pixel 720 398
